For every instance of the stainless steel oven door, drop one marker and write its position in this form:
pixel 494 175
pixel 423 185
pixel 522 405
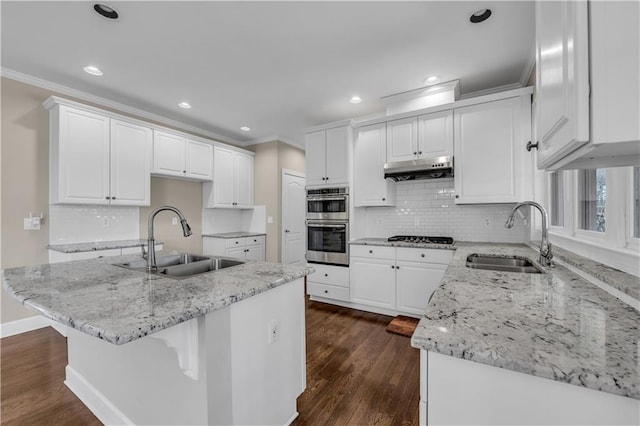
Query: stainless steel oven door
pixel 328 242
pixel 334 207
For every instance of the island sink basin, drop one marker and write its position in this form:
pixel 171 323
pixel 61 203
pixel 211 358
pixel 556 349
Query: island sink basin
pixel 183 265
pixel 503 263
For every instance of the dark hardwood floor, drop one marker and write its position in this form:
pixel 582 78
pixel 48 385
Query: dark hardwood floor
pixel 357 374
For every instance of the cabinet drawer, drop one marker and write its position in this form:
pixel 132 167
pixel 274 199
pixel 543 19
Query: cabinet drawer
pixel 442 256
pixel 328 291
pixel 326 274
pixel 235 242
pixel 257 240
pixel 373 252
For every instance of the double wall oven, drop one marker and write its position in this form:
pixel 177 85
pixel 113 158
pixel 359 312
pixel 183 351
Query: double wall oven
pixel 328 226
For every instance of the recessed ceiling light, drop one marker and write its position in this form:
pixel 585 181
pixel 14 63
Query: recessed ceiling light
pixel 185 105
pixel 245 128
pixel 92 70
pixel 355 99
pixel 106 11
pixel 432 80
pixel 480 16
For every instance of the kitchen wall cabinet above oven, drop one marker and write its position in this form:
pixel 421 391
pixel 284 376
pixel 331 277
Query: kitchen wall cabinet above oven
pixel 95 158
pixel 232 185
pixel 425 136
pixel 587 83
pixel 178 156
pixel 328 156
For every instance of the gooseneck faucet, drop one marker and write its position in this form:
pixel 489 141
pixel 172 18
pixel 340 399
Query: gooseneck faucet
pixel 151 255
pixel 545 245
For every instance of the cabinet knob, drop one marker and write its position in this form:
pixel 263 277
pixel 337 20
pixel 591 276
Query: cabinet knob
pixel 326 291
pixel 384 199
pixel 397 267
pixel 286 230
pixel 420 152
pixel 422 255
pixel 113 198
pixel 236 242
pixel 326 275
pixel 532 145
pixel 327 178
pixel 370 251
pixel 415 153
pixel 457 196
pixel 184 171
pixel 393 267
pixel 107 198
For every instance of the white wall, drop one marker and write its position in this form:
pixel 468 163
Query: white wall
pixel 427 207
pixel 80 224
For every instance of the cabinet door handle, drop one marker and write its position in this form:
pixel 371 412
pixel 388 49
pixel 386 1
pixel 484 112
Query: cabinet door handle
pixel 384 199
pixel 113 198
pixel 419 152
pixel 530 146
pixel 457 196
pixel 184 171
pixel 415 153
pixel 422 255
pixel 393 267
pixel 370 251
pixel 397 267
pixel 326 275
pixel 237 242
pixel 326 291
pixel 107 198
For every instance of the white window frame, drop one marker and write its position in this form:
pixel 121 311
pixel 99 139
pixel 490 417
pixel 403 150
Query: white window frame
pixel 616 247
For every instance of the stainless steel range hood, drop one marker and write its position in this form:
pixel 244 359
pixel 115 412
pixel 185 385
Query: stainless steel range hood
pixel 424 168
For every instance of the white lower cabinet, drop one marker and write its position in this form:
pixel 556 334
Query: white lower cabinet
pixel 243 248
pixel 396 279
pixel 328 281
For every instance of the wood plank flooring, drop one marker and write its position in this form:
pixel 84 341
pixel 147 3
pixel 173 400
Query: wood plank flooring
pixel 357 374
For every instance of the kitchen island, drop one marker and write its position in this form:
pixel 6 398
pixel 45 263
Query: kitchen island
pixel 226 347
pixel 519 348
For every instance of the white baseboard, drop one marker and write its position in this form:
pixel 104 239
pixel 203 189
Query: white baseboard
pixel 362 307
pixel 95 401
pixel 295 416
pixel 23 325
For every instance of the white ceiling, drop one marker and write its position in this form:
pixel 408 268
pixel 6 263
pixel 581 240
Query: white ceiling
pixel 277 67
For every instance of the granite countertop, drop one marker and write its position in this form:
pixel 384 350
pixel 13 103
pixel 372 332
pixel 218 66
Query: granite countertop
pixel 555 325
pixel 98 245
pixel 120 305
pixel 234 234
pixel 384 242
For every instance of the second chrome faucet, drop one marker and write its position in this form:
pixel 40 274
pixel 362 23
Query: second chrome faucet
pixel 545 245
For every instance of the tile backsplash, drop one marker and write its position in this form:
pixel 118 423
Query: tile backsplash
pixel 427 207
pixel 89 223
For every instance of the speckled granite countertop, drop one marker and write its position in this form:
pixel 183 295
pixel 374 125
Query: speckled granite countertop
pixel 384 242
pixel 98 245
pixel 234 234
pixel 556 325
pixel 119 305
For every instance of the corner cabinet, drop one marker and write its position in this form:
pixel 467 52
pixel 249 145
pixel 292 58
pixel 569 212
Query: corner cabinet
pixel 492 164
pixel 232 185
pixel 175 155
pixel 370 153
pixel 587 83
pixel 327 156
pixel 95 159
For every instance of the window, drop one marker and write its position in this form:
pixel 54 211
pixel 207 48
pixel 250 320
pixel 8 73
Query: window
pixel 592 199
pixel 557 198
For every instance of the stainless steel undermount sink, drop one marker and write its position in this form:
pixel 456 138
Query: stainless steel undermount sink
pixel 494 262
pixel 183 265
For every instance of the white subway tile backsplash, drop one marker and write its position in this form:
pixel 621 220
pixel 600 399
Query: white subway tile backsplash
pixel 79 223
pixel 428 208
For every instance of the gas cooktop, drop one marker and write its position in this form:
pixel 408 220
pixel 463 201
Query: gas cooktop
pixel 423 239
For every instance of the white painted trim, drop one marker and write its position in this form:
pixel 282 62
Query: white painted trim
pixel 295 416
pixel 23 325
pixel 528 69
pixel 183 339
pixel 362 307
pixel 491 91
pixel 68 91
pixel 95 401
pixel 297 174
pixel 506 92
pixel 331 125
pixel 294 173
pixel 447 86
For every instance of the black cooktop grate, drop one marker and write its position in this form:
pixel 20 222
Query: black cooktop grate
pixel 423 239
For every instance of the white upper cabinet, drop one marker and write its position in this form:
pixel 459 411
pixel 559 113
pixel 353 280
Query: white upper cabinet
pixel 327 157
pixel 95 159
pixel 426 136
pixel 232 185
pixel 402 139
pixel 130 163
pixel 370 186
pixel 175 155
pixel 492 164
pixel 435 134
pixel 587 83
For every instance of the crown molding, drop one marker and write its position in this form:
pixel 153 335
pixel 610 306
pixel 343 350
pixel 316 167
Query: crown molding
pixel 526 72
pixel 107 103
pixel 275 138
pixel 491 91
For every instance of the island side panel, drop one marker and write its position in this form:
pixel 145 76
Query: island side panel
pixel 459 391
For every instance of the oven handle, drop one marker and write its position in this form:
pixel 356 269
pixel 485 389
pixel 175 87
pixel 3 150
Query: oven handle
pixel 326 198
pixel 317 225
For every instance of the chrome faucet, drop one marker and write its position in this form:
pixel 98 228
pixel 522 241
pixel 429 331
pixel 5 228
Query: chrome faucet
pixel 545 245
pixel 151 248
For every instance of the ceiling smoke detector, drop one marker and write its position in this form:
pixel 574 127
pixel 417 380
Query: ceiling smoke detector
pixel 480 16
pixel 106 11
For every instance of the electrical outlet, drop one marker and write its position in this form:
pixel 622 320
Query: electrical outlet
pixel 35 223
pixel 31 223
pixel 487 221
pixel 270 219
pixel 274 331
